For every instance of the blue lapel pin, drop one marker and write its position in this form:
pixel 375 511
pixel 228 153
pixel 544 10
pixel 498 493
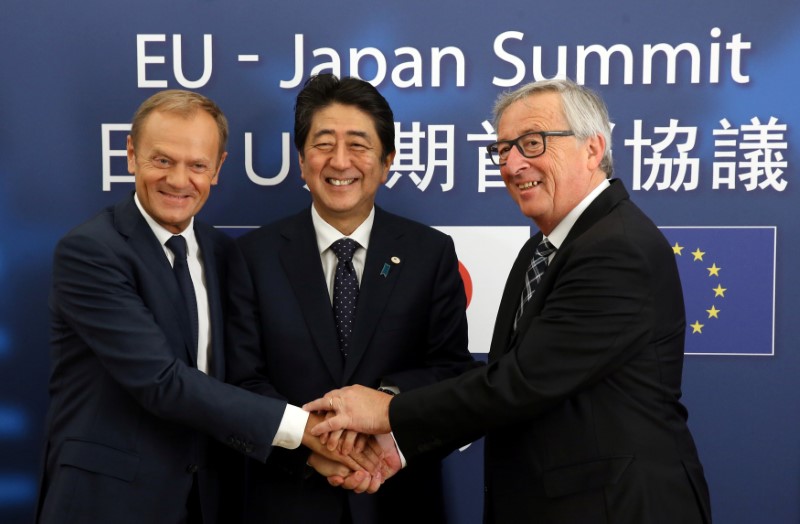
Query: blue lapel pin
pixel 385 270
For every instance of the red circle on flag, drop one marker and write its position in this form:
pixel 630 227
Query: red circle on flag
pixel 467 281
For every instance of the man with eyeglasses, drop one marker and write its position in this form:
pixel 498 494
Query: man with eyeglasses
pixel 580 400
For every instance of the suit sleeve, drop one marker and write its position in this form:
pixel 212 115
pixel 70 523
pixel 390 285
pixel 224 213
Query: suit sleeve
pixel 99 293
pixel 447 347
pixel 598 313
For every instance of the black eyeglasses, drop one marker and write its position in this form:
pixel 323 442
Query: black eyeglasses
pixel 530 145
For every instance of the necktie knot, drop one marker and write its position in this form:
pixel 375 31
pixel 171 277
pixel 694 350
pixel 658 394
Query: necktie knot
pixel 344 248
pixel 544 249
pixel 177 244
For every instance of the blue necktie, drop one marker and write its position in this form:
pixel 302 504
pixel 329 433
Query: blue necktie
pixel 177 244
pixel 534 274
pixel 345 291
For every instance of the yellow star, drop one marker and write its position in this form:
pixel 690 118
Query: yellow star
pixel 698 255
pixel 713 312
pixel 697 327
pixel 677 248
pixel 719 291
pixel 713 270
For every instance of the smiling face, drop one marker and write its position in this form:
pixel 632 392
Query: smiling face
pixel 175 161
pixel 548 187
pixel 341 163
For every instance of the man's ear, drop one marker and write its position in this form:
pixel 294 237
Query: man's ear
pixel 387 164
pixel 595 149
pixel 131 155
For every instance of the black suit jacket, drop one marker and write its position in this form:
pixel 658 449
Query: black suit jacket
pixel 410 330
pixel 580 405
pixel 130 413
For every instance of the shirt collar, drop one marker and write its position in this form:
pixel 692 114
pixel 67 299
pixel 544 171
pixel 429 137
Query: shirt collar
pixel 163 234
pixel 327 234
pixel 559 234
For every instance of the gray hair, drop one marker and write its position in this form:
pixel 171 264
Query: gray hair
pixel 584 110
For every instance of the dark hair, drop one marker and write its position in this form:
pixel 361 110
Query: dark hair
pixel 183 103
pixel 321 91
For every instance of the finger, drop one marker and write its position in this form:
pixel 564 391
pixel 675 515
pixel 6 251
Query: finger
pixel 349 443
pixel 353 480
pixel 367 460
pixel 332 424
pixel 375 483
pixel 361 443
pixel 374 445
pixel 333 440
pixel 364 485
pixel 327 467
pixel 336 480
pixel 321 404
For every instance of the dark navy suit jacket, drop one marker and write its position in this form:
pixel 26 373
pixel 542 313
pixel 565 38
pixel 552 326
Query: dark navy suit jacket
pixel 410 330
pixel 130 416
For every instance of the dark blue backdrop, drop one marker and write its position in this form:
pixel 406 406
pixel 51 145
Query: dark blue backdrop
pixel 69 70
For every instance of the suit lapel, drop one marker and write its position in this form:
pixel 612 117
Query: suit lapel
pixel 131 224
pixel 301 262
pixel 376 286
pixel 504 335
pixel 216 363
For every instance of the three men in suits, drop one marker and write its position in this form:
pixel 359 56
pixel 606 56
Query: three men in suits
pixel 409 327
pixel 580 400
pixel 137 399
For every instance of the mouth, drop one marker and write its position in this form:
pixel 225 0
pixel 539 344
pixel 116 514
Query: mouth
pixel 174 197
pixel 528 185
pixel 340 181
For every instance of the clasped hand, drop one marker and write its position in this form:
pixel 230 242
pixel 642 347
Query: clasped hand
pixel 348 446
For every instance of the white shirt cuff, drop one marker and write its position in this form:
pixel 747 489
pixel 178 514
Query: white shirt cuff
pixel 403 462
pixel 293 425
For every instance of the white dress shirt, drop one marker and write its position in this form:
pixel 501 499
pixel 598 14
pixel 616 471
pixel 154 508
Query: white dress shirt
pixel 196 270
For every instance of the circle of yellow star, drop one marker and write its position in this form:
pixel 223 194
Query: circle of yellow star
pixel 697 327
pixel 713 270
pixel 713 312
pixel 698 255
pixel 677 248
pixel 719 291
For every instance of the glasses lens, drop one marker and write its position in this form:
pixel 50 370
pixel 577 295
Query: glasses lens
pixel 531 144
pixel 494 153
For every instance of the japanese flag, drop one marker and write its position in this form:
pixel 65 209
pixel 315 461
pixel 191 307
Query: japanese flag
pixel 485 255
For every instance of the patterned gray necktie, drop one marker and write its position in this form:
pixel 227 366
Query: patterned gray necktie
pixel 534 275
pixel 345 291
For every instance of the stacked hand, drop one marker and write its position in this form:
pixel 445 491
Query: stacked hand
pixel 343 450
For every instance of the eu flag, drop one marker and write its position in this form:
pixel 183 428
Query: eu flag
pixel 728 277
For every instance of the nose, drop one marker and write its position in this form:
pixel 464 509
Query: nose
pixel 515 162
pixel 340 158
pixel 179 176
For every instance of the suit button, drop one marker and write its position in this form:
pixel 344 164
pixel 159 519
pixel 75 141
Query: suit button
pixel 192 468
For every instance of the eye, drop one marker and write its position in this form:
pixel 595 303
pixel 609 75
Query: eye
pixel 359 147
pixel 200 167
pixel 161 161
pixel 325 147
pixel 531 142
pixel 502 149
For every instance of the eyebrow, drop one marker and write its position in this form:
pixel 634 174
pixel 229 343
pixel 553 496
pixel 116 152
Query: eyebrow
pixel 160 152
pixel 359 134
